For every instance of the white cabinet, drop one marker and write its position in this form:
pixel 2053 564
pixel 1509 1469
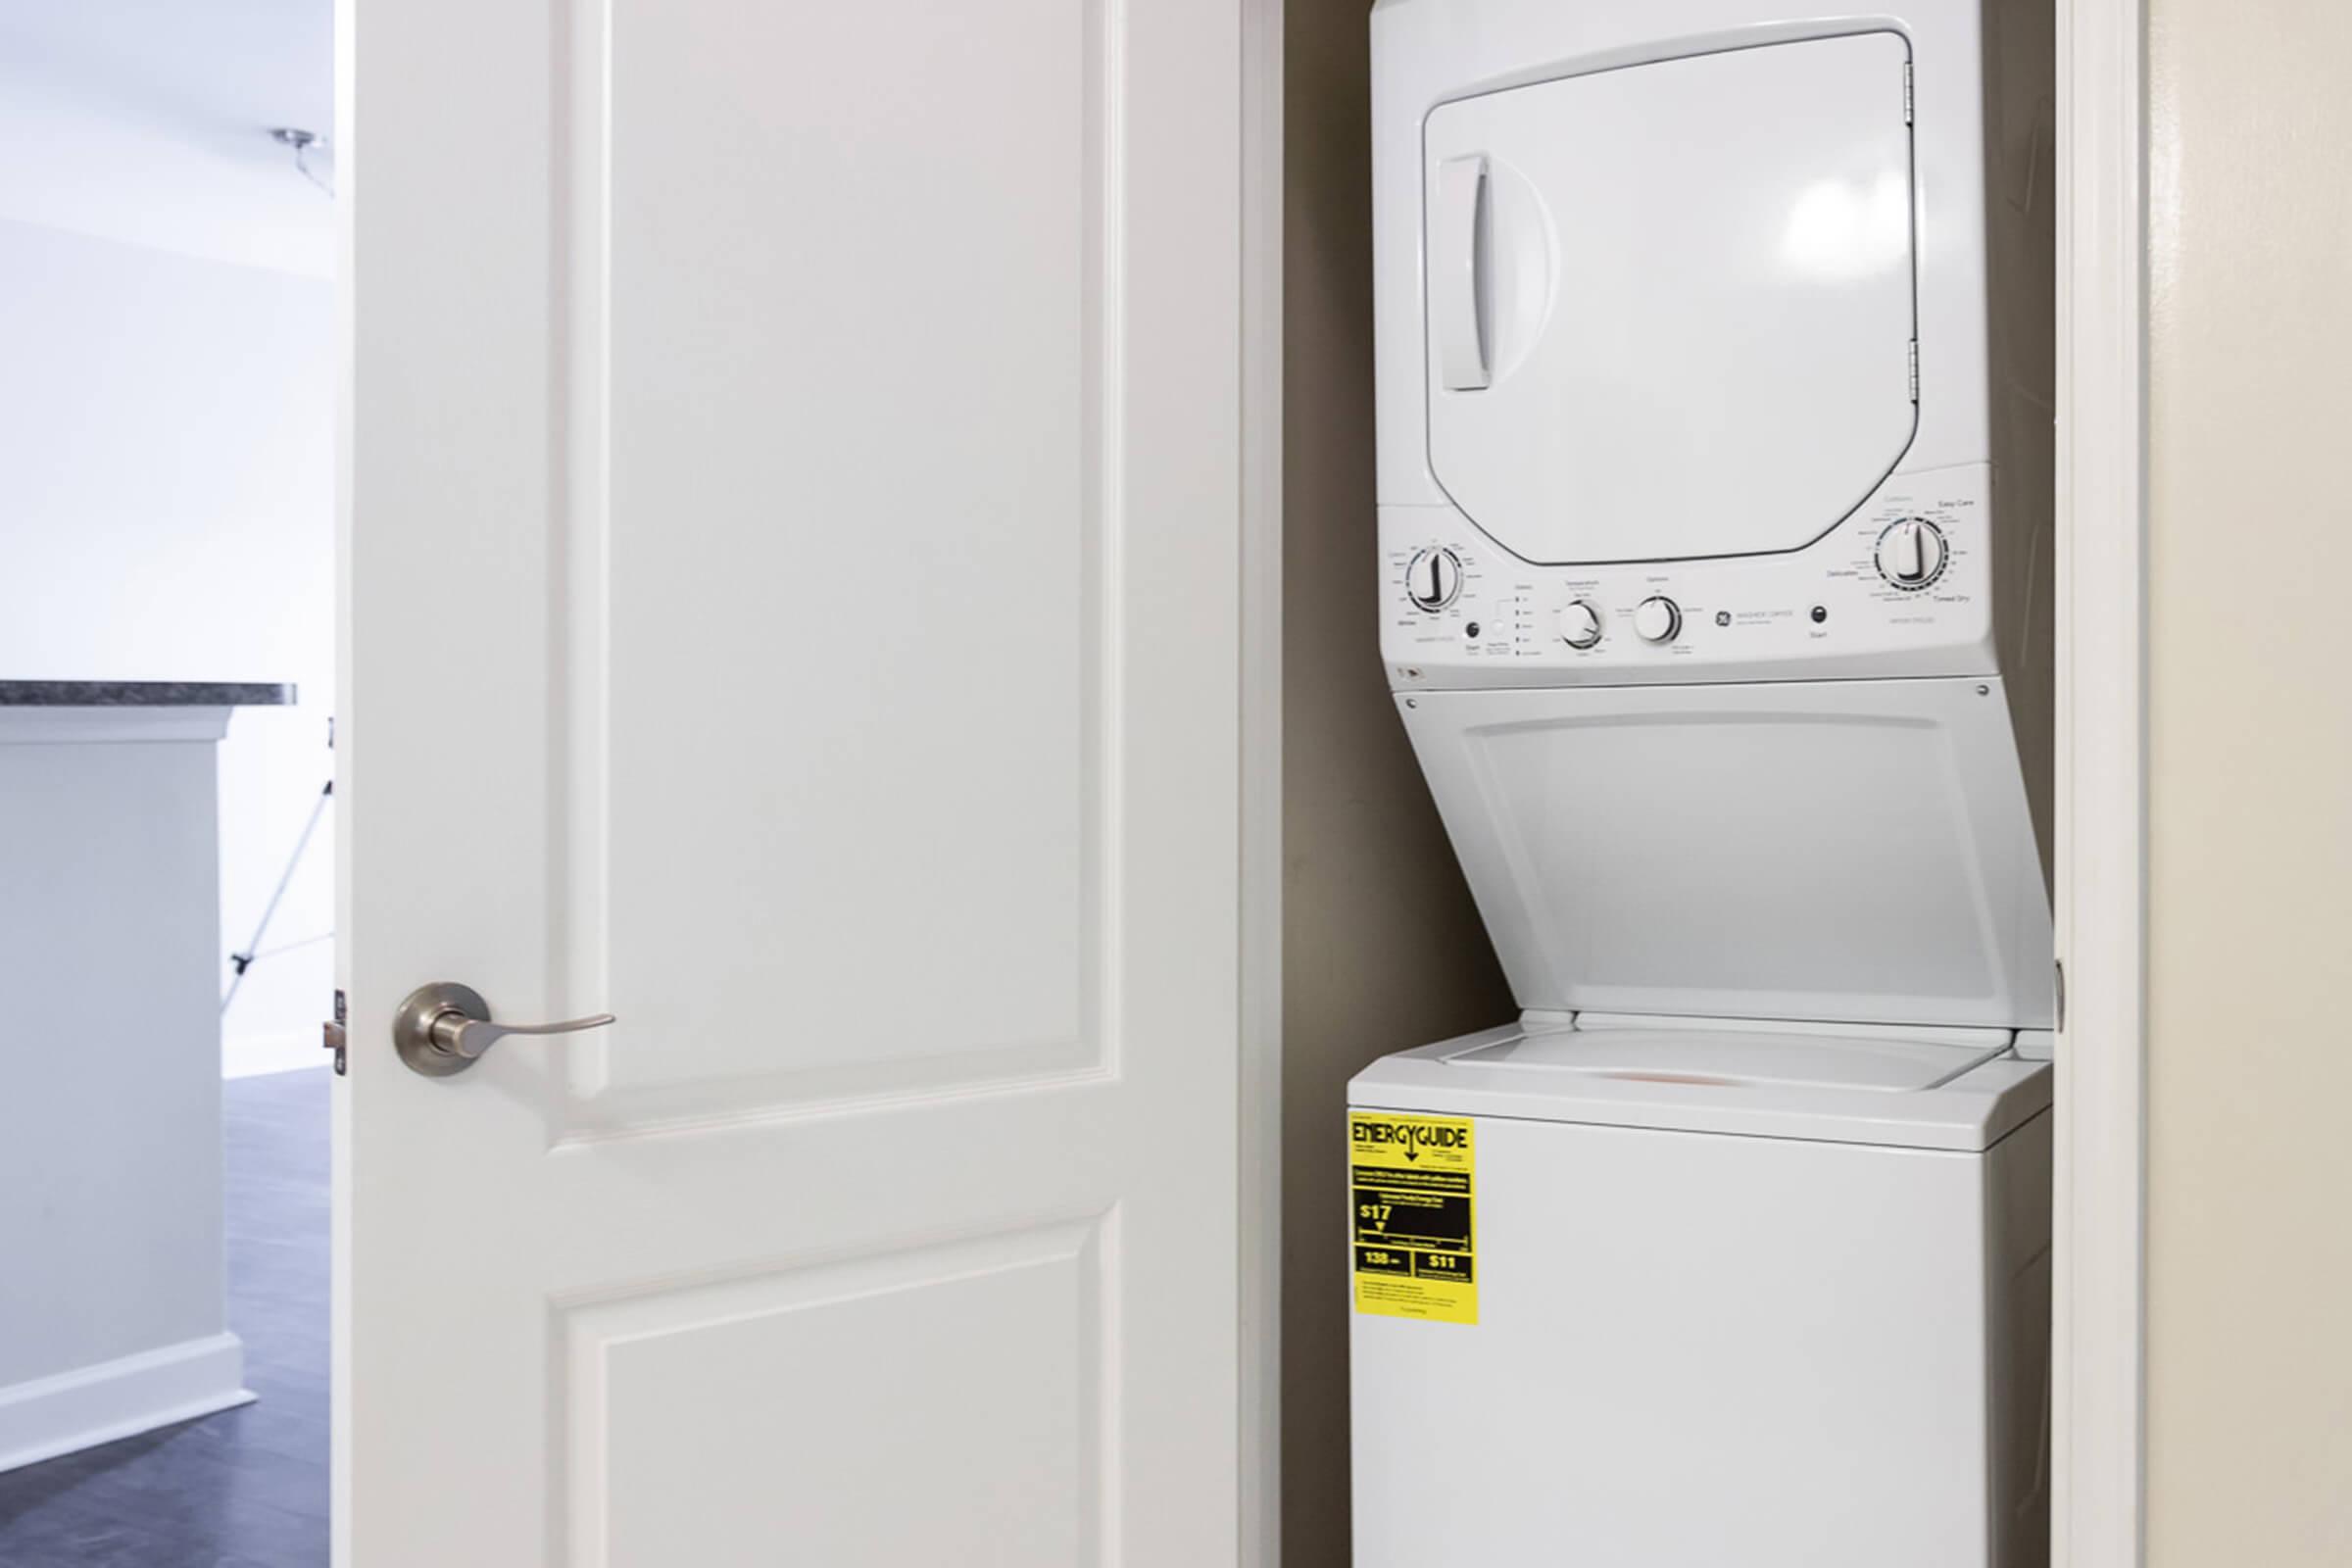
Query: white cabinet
pixel 113 1300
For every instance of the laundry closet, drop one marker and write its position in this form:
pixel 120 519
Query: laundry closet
pixel 1712 591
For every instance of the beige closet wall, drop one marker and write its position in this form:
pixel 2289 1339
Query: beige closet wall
pixel 1381 946
pixel 2250 795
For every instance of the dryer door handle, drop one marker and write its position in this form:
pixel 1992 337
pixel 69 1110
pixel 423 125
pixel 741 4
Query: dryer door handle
pixel 1455 304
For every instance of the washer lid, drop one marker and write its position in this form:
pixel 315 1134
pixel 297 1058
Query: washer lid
pixel 1851 850
pixel 1732 1059
pixel 1670 307
pixel 1767 1083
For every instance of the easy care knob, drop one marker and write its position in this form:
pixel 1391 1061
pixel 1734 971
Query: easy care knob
pixel 1657 619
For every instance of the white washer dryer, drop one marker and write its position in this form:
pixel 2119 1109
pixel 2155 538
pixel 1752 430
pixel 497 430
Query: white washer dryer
pixel 1761 1298
pixel 1714 366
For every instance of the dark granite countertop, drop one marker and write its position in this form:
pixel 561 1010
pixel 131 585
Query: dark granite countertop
pixel 143 694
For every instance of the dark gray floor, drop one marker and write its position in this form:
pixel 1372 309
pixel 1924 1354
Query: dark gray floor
pixel 245 1489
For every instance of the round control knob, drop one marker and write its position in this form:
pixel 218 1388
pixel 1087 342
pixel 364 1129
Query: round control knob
pixel 1434 578
pixel 1580 625
pixel 1657 619
pixel 1911 554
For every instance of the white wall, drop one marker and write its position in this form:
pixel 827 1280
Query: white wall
pixel 2249 1367
pixel 166 491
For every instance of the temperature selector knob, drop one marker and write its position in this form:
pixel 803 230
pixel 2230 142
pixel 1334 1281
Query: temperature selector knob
pixel 1657 620
pixel 1580 625
pixel 1434 578
pixel 1911 554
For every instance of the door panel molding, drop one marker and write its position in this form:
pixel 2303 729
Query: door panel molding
pixel 1052 328
pixel 1046 1337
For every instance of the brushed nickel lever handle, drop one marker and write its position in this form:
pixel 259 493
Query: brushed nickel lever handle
pixel 444 1028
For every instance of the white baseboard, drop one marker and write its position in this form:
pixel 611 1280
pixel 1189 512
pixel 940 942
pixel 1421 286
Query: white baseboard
pixel 251 1056
pixel 93 1404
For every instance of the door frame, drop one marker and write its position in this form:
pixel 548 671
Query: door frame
pixel 2099 1313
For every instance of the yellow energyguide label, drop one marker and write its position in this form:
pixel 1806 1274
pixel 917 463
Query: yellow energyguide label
pixel 1414 1180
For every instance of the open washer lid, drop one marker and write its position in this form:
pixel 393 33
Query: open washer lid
pixel 1670 307
pixel 1848 850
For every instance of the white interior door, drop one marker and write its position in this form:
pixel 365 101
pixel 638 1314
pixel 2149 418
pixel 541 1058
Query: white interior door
pixel 790 552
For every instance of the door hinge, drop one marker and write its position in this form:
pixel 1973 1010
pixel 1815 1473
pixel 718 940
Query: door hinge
pixel 1908 109
pixel 337 1038
pixel 1915 369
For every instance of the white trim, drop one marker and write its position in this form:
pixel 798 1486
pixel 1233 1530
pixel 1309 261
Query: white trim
pixel 120 1398
pixel 2099 1314
pixel 1260 1107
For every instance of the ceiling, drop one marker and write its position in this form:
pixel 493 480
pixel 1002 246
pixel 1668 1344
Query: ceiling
pixel 147 121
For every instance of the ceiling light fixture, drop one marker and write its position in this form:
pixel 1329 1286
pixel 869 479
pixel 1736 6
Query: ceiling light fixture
pixel 302 141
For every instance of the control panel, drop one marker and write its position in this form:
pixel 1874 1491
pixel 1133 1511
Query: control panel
pixel 1904 583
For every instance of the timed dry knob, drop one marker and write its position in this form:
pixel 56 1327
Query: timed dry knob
pixel 1434 578
pixel 1911 552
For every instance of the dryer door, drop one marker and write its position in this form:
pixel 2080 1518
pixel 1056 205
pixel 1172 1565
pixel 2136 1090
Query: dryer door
pixel 1669 306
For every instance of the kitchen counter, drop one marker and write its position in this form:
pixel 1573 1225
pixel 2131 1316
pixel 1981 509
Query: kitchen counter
pixel 112 1300
pixel 143 694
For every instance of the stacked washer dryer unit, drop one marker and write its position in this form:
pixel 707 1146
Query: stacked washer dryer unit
pixel 1714 363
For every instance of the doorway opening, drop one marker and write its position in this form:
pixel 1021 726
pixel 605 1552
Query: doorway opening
pixel 167 248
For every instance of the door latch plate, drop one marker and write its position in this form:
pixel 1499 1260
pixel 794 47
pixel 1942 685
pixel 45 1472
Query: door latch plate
pixel 337 1038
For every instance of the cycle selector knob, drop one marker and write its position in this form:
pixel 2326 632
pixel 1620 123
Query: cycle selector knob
pixel 1580 625
pixel 1912 554
pixel 1433 580
pixel 1657 619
